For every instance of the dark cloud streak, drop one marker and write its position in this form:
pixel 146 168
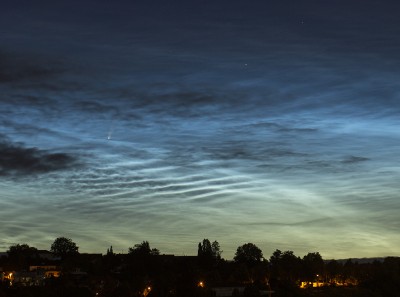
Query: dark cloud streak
pixel 25 67
pixel 19 161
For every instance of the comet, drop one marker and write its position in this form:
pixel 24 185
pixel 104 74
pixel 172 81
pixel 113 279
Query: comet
pixel 109 135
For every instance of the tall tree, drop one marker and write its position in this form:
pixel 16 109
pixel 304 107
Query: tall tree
pixel 248 253
pixel 64 247
pixel 333 270
pixel 21 249
pixel 143 249
pixel 21 254
pixel 205 250
pixel 313 266
pixel 216 250
pixel 208 250
pixel 275 259
pixel 285 265
pixel 110 251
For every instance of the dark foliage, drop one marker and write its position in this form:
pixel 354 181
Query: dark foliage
pixel 144 272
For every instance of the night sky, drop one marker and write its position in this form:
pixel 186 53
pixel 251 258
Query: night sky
pixel 271 122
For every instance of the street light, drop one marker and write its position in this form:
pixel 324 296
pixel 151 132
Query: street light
pixel 146 291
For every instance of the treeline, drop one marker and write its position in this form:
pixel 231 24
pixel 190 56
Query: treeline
pixel 144 271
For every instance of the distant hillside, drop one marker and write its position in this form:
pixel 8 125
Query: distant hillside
pixel 359 260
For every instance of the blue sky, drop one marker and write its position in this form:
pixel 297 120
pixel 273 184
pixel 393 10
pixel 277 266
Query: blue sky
pixel 267 122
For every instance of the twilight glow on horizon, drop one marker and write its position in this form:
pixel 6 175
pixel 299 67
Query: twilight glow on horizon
pixel 271 122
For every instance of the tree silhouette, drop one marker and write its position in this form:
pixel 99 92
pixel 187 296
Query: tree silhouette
pixel 208 250
pixel 21 254
pixel 313 266
pixel 333 269
pixel 248 253
pixel 216 250
pixel 110 251
pixel 21 249
pixel 204 249
pixel 64 247
pixel 285 266
pixel 143 249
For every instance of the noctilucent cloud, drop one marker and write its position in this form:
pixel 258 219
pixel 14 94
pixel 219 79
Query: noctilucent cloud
pixel 271 122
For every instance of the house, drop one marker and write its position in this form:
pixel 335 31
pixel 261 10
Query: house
pixel 48 270
pixel 27 278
